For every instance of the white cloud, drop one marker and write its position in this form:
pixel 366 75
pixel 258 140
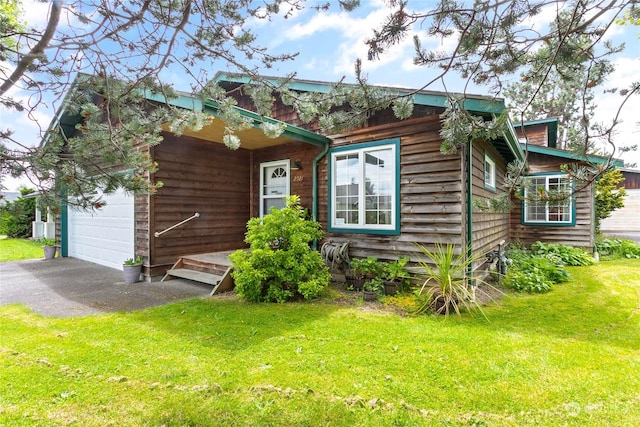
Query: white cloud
pixel 36 13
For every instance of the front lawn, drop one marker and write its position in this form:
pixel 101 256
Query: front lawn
pixel 19 249
pixel 568 357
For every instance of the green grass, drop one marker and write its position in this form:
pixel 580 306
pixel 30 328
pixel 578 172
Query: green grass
pixel 19 249
pixel 569 357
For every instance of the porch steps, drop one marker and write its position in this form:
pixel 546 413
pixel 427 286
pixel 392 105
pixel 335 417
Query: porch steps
pixel 196 276
pixel 211 268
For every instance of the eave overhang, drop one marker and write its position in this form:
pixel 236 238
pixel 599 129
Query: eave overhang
pixel 571 156
pixel 250 139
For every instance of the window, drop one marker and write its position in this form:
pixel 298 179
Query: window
pixel 274 184
pixel 489 172
pixel 363 188
pixel 548 200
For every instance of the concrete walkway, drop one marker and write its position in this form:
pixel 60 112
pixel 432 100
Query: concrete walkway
pixel 68 287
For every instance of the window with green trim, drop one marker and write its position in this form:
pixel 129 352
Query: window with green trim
pixel 548 200
pixel 363 187
pixel 489 172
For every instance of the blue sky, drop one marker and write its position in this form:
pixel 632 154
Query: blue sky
pixel 329 44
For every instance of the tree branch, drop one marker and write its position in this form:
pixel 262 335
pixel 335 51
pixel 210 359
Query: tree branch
pixel 38 49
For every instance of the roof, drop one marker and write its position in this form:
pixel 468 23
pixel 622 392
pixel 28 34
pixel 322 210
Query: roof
pixel 570 155
pixel 475 103
pixel 251 138
pixel 507 146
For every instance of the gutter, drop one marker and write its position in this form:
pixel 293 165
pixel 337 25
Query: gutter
pixel 470 210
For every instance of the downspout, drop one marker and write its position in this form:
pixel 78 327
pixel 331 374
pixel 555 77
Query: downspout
pixel 470 210
pixel 314 186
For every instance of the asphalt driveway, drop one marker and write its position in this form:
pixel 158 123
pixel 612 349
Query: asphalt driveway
pixel 68 287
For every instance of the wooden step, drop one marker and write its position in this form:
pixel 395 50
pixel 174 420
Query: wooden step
pixel 197 276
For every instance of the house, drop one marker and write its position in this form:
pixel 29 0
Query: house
pixel 570 221
pixel 625 222
pixel 381 188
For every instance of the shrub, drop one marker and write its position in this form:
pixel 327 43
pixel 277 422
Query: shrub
pixel 535 273
pixel 16 217
pixel 532 281
pixel 619 248
pixel 568 254
pixel 280 264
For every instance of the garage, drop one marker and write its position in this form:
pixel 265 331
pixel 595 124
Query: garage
pixel 105 236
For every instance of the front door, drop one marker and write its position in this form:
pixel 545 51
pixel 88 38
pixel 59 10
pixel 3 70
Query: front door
pixel 274 185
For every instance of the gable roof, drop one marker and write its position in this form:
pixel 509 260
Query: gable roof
pixel 251 138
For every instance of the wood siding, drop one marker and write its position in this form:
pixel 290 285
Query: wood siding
pixel 581 235
pixel 535 134
pixel 431 205
pixel 202 177
pixel 489 228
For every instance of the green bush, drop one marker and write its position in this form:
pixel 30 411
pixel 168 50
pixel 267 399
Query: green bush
pixel 619 248
pixel 280 265
pixel 568 254
pixel 532 281
pixel 534 273
pixel 16 217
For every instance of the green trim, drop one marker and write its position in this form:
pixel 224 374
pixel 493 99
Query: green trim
pixel 210 106
pixel 64 227
pixel 434 99
pixel 364 230
pixel 469 241
pixel 512 141
pixel 182 101
pixel 572 223
pixel 290 131
pixel 569 155
pixel 495 172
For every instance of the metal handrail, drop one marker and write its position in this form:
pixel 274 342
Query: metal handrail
pixel 194 216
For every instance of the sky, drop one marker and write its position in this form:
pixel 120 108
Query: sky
pixel 329 44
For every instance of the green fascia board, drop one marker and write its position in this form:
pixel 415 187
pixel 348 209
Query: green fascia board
pixel 476 104
pixel 511 139
pixel 569 155
pixel 181 101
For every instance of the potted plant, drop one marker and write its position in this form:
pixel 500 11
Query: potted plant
pixel 395 275
pixel 371 289
pixel 49 247
pixel 132 267
pixel 362 269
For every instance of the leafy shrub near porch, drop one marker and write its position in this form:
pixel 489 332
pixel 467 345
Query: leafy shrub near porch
pixel 280 264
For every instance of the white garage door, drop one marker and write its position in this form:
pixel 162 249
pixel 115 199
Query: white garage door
pixel 105 236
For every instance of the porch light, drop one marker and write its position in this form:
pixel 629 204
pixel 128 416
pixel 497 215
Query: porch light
pixel 297 165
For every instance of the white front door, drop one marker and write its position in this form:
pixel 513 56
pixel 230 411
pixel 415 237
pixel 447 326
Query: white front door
pixel 274 185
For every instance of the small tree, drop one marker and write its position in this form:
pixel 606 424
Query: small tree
pixel 16 216
pixel 280 264
pixel 609 196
